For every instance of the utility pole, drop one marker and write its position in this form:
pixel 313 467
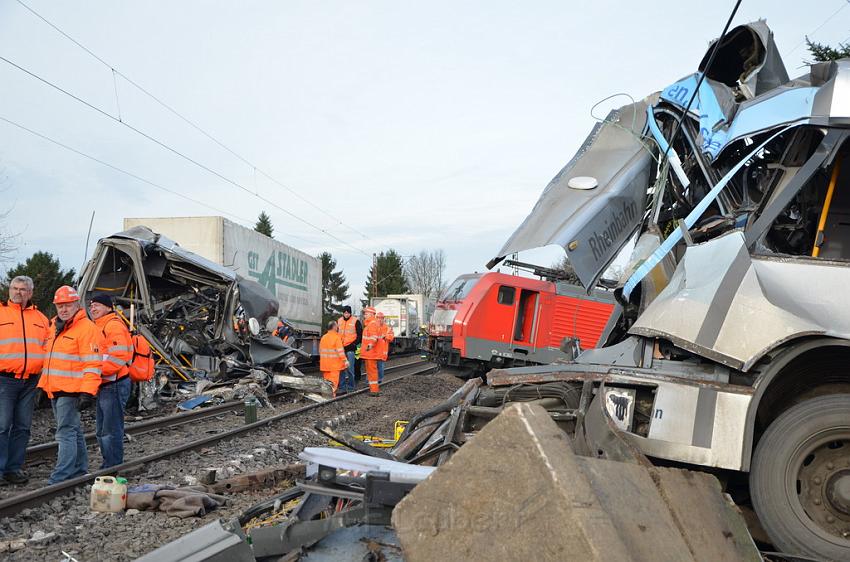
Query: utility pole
pixel 374 274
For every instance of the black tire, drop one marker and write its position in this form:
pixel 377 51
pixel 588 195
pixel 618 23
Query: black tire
pixel 794 472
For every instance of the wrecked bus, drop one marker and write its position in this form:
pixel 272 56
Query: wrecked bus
pixel 203 321
pixel 731 190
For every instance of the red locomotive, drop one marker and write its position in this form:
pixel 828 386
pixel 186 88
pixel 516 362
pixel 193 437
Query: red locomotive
pixel 494 320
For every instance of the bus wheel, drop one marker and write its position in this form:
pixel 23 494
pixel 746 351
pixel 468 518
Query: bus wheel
pixel 800 478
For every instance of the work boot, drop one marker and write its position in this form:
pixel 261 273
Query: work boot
pixel 376 393
pixel 18 477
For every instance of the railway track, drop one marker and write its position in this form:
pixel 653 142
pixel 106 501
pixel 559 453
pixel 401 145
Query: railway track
pixel 32 498
pixel 48 449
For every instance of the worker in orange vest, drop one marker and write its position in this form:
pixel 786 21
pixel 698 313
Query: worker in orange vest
pixel 23 334
pixel 284 332
pixel 332 358
pixel 351 332
pixel 388 336
pixel 370 351
pixel 70 377
pixel 115 385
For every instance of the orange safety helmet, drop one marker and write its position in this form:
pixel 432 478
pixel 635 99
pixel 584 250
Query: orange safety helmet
pixel 369 310
pixel 380 315
pixel 65 294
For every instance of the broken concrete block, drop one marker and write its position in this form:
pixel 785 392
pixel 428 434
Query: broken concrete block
pixel 531 497
pixel 512 493
pixel 717 530
pixel 207 475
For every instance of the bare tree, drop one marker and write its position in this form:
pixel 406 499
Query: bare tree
pixel 8 242
pixel 424 273
pixel 564 266
pixel 7 248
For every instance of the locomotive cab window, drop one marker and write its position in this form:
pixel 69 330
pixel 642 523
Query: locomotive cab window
pixel 506 295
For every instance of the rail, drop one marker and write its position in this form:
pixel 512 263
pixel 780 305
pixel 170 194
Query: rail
pixel 13 505
pixel 49 448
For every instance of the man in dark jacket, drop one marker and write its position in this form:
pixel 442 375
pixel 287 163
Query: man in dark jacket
pixel 351 331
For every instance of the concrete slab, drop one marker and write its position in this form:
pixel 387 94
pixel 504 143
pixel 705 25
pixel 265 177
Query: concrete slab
pixel 710 523
pixel 627 494
pixel 514 492
pixel 517 491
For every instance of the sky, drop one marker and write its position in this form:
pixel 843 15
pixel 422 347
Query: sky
pixel 404 125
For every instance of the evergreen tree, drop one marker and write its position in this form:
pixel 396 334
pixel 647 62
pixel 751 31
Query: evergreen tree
pixel 264 225
pixel 824 53
pixel 389 276
pixel 47 276
pixel 334 289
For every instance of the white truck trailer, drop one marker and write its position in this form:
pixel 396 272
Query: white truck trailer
pixel 407 315
pixel 293 276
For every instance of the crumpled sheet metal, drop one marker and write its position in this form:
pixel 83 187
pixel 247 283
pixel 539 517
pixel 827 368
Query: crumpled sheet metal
pixel 728 306
pixel 591 225
pixel 147 236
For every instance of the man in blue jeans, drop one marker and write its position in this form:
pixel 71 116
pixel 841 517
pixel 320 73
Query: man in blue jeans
pixel 71 377
pixel 351 332
pixel 72 459
pixel 23 333
pixel 115 380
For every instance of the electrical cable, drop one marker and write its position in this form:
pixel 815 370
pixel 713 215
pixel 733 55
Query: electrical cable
pixel 631 130
pixel 181 155
pixel 135 176
pixel 702 76
pixel 197 127
pixel 398 269
pixel 818 28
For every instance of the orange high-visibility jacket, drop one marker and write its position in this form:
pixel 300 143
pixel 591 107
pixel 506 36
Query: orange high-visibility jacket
pixel 23 335
pixel 331 353
pixel 371 346
pixel 73 359
pixel 347 330
pixel 118 347
pixel 384 344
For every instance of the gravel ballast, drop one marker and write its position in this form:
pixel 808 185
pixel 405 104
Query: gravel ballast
pixel 66 524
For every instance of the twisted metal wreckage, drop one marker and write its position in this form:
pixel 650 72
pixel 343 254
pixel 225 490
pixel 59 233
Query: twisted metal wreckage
pixel 732 344
pixel 210 328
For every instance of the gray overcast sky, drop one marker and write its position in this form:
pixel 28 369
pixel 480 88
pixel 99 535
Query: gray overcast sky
pixel 423 125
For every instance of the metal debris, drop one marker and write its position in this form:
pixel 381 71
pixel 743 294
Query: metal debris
pixel 204 322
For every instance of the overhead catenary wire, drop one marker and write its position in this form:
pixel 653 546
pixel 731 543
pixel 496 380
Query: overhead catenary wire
pixel 398 269
pixel 180 154
pixel 702 76
pixel 135 176
pixel 818 28
pixel 185 119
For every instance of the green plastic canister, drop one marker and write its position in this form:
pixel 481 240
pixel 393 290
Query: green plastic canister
pixel 250 409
